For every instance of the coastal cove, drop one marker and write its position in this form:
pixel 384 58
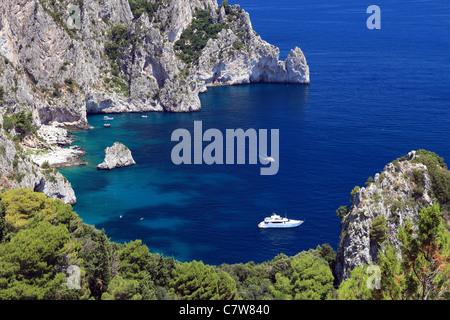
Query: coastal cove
pixel 374 96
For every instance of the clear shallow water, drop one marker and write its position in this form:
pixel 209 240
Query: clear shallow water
pixel 374 96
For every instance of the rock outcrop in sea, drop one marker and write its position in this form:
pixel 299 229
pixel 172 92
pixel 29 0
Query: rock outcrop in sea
pixel 116 156
pixel 395 195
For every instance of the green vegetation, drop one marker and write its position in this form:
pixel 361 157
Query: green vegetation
pixel 21 122
pixel 229 12
pixel 238 45
pixel 119 83
pixel 423 272
pixel 310 279
pixel 437 172
pixel 27 262
pixel 71 85
pixel 35 238
pixel 64 66
pixel 2 93
pixel 418 179
pixel 119 40
pixel 56 93
pixel 355 287
pixel 369 181
pixel 343 211
pixel 439 176
pixel 196 281
pixel 397 205
pixel 138 7
pixel 226 6
pixel 188 48
pixel 55 9
pixel 378 230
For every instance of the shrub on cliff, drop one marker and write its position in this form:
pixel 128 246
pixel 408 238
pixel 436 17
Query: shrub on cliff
pixel 22 207
pixel 21 122
pixel 422 273
pixel 41 239
pixel 197 281
pixel 195 37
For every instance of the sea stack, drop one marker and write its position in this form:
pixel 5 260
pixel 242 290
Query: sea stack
pixel 116 156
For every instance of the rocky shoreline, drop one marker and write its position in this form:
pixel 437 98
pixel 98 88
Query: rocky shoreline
pixel 60 157
pixel 58 151
pixel 117 59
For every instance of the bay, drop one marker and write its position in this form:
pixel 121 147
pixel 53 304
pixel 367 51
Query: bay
pixel 374 96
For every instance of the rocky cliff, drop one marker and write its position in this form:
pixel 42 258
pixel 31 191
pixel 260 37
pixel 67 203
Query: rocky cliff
pixel 18 171
pixel 116 156
pixel 61 60
pixel 392 197
pixel 64 59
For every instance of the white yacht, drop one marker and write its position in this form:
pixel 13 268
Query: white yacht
pixel 275 221
pixel 107 118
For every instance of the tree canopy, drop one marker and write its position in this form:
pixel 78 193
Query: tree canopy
pixel 41 239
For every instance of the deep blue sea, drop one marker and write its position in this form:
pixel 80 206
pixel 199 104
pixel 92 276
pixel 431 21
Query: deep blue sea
pixel 374 96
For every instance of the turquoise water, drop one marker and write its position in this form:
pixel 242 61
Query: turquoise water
pixel 374 96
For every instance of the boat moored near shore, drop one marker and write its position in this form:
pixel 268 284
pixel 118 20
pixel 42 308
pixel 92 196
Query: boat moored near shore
pixel 275 221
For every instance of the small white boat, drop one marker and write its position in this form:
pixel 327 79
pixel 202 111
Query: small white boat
pixel 108 118
pixel 144 116
pixel 107 125
pixel 275 221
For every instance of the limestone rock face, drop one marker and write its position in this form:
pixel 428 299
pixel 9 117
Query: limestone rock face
pixel 176 15
pixel 394 195
pixel 55 151
pixel 56 58
pixel 18 171
pixel 116 156
pixel 233 59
